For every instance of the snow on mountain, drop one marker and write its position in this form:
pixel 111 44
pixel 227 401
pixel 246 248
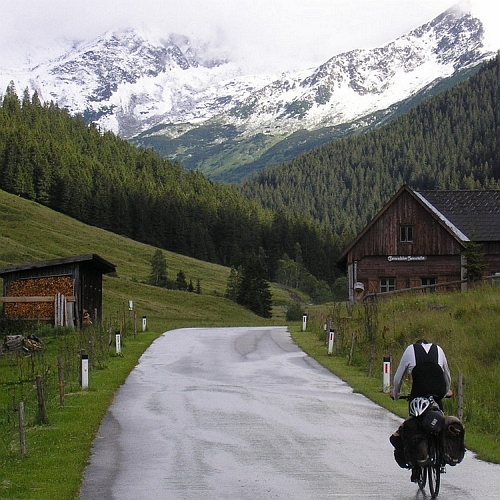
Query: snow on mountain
pixel 359 82
pixel 131 81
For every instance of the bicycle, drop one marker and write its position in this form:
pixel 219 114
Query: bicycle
pixel 431 472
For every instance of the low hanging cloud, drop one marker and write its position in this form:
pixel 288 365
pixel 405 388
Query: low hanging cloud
pixel 260 34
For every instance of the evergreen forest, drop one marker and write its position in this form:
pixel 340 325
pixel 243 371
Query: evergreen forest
pixel 450 141
pixel 62 162
pixel 298 216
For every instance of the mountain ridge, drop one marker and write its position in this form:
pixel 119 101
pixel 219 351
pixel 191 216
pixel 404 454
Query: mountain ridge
pixel 196 107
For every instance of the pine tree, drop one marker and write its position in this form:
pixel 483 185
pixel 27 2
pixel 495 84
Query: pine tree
pixel 254 291
pixel 474 261
pixel 181 281
pixel 158 275
pixel 232 285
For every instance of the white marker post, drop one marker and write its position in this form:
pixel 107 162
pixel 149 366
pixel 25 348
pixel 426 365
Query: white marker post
pixel 304 322
pixel 118 340
pixel 144 323
pixel 386 383
pixel 84 367
pixel 331 339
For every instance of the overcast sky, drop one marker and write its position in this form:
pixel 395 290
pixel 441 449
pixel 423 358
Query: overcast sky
pixel 260 33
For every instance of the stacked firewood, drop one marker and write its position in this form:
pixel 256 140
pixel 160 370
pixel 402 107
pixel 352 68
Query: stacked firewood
pixel 15 343
pixel 36 287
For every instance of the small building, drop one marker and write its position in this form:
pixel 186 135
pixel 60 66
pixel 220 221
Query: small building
pixel 418 239
pixel 66 291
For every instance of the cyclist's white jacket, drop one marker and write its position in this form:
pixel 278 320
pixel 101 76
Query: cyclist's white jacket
pixel 408 362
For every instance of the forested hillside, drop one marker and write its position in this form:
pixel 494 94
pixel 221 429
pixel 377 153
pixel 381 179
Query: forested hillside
pixel 61 162
pixel 451 141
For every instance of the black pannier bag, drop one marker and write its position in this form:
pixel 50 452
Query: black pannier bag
pixel 399 449
pixel 433 421
pixel 415 443
pixel 452 438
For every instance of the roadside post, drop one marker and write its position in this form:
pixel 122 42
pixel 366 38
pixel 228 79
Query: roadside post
pixel 331 339
pixel 304 322
pixel 386 383
pixel 84 370
pixel 130 309
pixel 144 323
pixel 118 342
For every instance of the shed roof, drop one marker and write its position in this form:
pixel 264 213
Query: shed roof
pixel 475 213
pixel 98 262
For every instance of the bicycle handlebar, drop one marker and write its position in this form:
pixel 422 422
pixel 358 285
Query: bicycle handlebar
pixel 448 395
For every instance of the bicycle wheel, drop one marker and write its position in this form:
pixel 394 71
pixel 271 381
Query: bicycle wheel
pixel 422 478
pixel 434 470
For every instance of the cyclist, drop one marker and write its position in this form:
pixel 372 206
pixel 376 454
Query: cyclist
pixel 427 364
pixel 429 371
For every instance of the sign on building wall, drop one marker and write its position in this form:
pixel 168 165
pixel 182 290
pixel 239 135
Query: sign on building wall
pixel 406 258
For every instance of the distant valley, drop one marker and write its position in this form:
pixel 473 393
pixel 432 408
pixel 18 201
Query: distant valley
pixel 199 110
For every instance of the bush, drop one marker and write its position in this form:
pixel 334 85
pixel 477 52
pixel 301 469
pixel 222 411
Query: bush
pixel 294 312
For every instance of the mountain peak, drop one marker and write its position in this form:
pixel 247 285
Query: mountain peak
pixel 131 80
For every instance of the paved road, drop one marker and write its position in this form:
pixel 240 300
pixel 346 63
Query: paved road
pixel 242 413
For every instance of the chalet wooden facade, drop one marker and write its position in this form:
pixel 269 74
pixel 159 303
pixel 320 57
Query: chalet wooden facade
pixel 65 291
pixel 418 239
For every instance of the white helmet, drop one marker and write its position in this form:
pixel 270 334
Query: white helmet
pixel 418 406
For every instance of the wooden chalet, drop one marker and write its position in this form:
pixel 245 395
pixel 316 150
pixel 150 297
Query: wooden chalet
pixel 418 240
pixel 66 291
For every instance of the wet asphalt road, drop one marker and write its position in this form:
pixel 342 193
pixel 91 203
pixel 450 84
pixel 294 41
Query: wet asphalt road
pixel 242 413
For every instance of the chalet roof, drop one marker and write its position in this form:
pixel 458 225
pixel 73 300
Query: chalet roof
pixel 98 262
pixel 474 213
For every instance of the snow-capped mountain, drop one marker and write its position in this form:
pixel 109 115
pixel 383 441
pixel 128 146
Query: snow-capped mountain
pixel 360 82
pixel 134 83
pixel 129 81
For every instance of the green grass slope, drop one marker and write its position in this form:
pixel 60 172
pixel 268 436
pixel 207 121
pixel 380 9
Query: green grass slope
pixel 30 232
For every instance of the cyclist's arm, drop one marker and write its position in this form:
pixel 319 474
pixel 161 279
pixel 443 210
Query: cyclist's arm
pixel 444 365
pixel 406 364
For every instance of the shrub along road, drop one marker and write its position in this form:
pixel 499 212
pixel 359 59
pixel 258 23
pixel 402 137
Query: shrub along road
pixel 244 413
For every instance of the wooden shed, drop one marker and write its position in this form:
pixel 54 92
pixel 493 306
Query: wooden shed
pixel 66 291
pixel 418 239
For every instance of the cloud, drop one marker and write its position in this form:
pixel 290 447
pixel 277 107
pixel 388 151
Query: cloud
pixel 489 13
pixel 261 34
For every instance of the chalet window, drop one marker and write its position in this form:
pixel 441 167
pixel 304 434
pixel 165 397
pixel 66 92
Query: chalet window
pixel 428 281
pixel 406 234
pixel 387 284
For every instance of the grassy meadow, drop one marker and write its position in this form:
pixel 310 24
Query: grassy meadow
pixel 58 448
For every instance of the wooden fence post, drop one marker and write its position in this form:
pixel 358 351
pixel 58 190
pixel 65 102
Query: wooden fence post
pixel 351 352
pixel 92 353
pixel 370 362
pixel 61 379
pixel 460 397
pixel 22 435
pixel 42 415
